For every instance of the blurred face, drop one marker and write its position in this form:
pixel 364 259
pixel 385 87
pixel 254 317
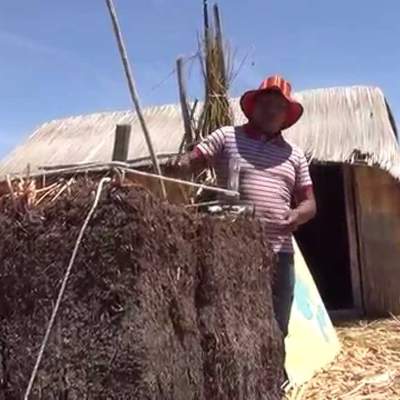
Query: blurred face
pixel 270 110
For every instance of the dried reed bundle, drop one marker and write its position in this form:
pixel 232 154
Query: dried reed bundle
pixel 368 367
pixel 216 69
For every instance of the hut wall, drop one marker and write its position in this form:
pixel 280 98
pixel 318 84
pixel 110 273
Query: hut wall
pixel 377 197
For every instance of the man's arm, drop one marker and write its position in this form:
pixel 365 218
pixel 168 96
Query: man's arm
pixel 203 153
pixel 305 210
pixel 306 205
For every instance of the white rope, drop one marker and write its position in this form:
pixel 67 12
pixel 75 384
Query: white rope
pixel 62 289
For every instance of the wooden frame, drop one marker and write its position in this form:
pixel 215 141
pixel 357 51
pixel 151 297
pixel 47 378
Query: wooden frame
pixel 353 240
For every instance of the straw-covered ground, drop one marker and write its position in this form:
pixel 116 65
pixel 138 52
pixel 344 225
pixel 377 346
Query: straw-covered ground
pixel 368 367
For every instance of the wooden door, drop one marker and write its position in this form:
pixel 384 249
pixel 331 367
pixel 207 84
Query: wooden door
pixel 377 198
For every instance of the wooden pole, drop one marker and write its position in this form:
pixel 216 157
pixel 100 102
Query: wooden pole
pixel 206 20
pixel 231 193
pixel 206 42
pixel 121 142
pixel 195 125
pixel 133 91
pixel 195 139
pixel 193 110
pixel 184 104
pixel 220 42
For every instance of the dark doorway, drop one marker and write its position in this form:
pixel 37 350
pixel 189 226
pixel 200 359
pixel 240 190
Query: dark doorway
pixel 324 241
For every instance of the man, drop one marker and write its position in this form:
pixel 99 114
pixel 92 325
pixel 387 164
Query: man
pixel 274 175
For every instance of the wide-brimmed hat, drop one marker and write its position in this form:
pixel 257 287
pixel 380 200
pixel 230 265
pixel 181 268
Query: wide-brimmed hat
pixel 273 83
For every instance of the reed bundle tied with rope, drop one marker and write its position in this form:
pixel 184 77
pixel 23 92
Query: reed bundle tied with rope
pixel 216 110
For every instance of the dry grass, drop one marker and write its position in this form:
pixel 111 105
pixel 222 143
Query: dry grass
pixel 368 367
pixel 216 109
pixel 217 74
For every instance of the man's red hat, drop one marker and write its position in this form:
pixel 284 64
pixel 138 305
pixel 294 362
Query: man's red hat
pixel 273 83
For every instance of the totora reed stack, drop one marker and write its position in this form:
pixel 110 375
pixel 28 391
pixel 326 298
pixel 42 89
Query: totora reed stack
pixel 161 303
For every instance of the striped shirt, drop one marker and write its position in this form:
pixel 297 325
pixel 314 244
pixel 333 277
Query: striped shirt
pixel 271 173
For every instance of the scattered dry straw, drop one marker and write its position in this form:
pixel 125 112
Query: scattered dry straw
pixel 368 367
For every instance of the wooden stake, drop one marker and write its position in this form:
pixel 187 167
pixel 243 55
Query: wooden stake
pixel 121 143
pixel 133 91
pixel 184 104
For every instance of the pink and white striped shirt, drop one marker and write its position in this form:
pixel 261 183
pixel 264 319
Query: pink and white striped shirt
pixel 271 173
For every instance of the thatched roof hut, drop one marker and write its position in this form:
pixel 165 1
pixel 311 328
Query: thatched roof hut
pixel 352 247
pixel 339 125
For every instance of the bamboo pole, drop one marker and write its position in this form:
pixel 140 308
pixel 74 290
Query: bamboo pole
pixel 133 91
pixel 184 103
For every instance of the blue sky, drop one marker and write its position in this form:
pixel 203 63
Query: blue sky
pixel 58 58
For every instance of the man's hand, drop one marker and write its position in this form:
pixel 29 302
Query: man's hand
pixel 305 210
pixel 292 221
pixel 188 162
pixel 180 161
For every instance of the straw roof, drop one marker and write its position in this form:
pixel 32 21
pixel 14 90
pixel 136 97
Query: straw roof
pixel 339 125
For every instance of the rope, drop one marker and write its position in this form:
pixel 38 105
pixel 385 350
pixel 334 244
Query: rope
pixel 62 289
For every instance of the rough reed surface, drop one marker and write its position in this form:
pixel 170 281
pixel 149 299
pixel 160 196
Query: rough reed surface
pixel 161 304
pixel 367 369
